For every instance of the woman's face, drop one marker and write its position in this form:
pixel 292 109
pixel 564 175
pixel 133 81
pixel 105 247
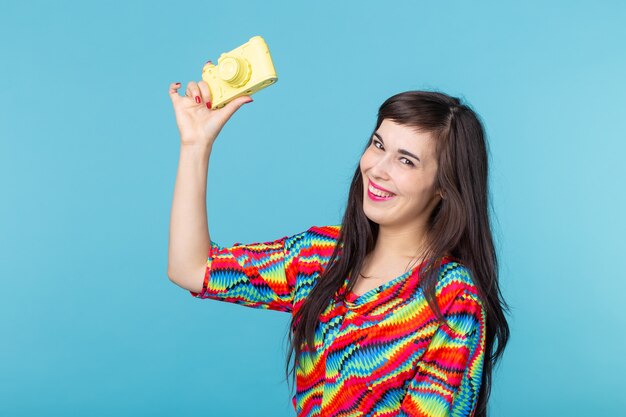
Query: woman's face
pixel 387 163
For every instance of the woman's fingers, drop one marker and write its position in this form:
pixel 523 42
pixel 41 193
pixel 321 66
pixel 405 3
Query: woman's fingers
pixel 206 93
pixel 174 91
pixel 193 91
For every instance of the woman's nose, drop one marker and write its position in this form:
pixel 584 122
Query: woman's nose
pixel 381 169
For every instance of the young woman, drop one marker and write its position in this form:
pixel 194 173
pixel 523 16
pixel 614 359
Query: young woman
pixel 395 312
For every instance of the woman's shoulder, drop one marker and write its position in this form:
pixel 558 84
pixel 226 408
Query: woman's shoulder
pixel 318 240
pixel 328 231
pixel 313 247
pixel 322 234
pixel 455 277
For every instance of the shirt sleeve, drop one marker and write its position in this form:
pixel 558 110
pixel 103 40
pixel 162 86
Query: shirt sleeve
pixel 448 377
pixel 259 275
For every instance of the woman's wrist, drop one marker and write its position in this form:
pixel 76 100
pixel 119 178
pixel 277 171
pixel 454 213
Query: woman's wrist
pixel 203 151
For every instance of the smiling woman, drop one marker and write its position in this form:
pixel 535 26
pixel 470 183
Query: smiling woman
pixel 396 176
pixel 415 237
pixel 396 310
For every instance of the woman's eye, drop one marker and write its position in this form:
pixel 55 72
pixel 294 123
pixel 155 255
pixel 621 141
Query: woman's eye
pixel 376 143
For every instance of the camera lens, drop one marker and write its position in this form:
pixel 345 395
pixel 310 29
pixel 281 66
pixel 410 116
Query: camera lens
pixel 233 71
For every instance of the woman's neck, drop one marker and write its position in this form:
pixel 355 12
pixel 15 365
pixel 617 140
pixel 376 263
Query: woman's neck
pixel 406 243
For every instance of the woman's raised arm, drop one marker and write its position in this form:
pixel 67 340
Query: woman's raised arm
pixel 199 126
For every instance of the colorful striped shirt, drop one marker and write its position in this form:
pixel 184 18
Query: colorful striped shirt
pixel 381 353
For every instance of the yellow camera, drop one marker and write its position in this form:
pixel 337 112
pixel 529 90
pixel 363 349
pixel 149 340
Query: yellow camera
pixel 240 72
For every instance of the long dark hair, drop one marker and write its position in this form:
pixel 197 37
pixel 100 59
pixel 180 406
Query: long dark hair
pixel 459 225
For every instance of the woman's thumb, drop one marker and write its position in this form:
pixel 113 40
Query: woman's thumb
pixel 232 107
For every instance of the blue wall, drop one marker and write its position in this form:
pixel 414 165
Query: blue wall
pixel 90 323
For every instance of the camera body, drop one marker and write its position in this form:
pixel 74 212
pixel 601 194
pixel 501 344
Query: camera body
pixel 240 72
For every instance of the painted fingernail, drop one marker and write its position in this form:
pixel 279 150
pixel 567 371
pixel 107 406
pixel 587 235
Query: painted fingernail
pixel 198 99
pixel 208 104
pixel 177 83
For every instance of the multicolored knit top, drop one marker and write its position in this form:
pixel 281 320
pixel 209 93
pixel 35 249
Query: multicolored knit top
pixel 382 353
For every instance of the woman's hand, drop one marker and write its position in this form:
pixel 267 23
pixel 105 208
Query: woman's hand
pixel 198 124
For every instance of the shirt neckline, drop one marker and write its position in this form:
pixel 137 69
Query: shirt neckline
pixel 354 300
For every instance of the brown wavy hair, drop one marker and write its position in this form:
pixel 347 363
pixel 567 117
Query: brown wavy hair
pixel 459 225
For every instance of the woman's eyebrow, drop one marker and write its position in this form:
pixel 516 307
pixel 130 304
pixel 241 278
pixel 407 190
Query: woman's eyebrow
pixel 401 151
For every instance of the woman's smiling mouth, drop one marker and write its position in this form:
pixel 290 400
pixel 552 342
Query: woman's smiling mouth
pixel 377 194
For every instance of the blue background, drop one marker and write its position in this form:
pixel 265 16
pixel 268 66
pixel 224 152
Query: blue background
pixel 91 324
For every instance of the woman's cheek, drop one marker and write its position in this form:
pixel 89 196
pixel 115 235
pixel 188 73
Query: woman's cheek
pixel 366 161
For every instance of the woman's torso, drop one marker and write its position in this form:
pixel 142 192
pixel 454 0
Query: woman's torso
pixel 366 347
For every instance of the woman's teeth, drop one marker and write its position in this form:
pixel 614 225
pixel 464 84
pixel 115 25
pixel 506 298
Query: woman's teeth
pixel 378 193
